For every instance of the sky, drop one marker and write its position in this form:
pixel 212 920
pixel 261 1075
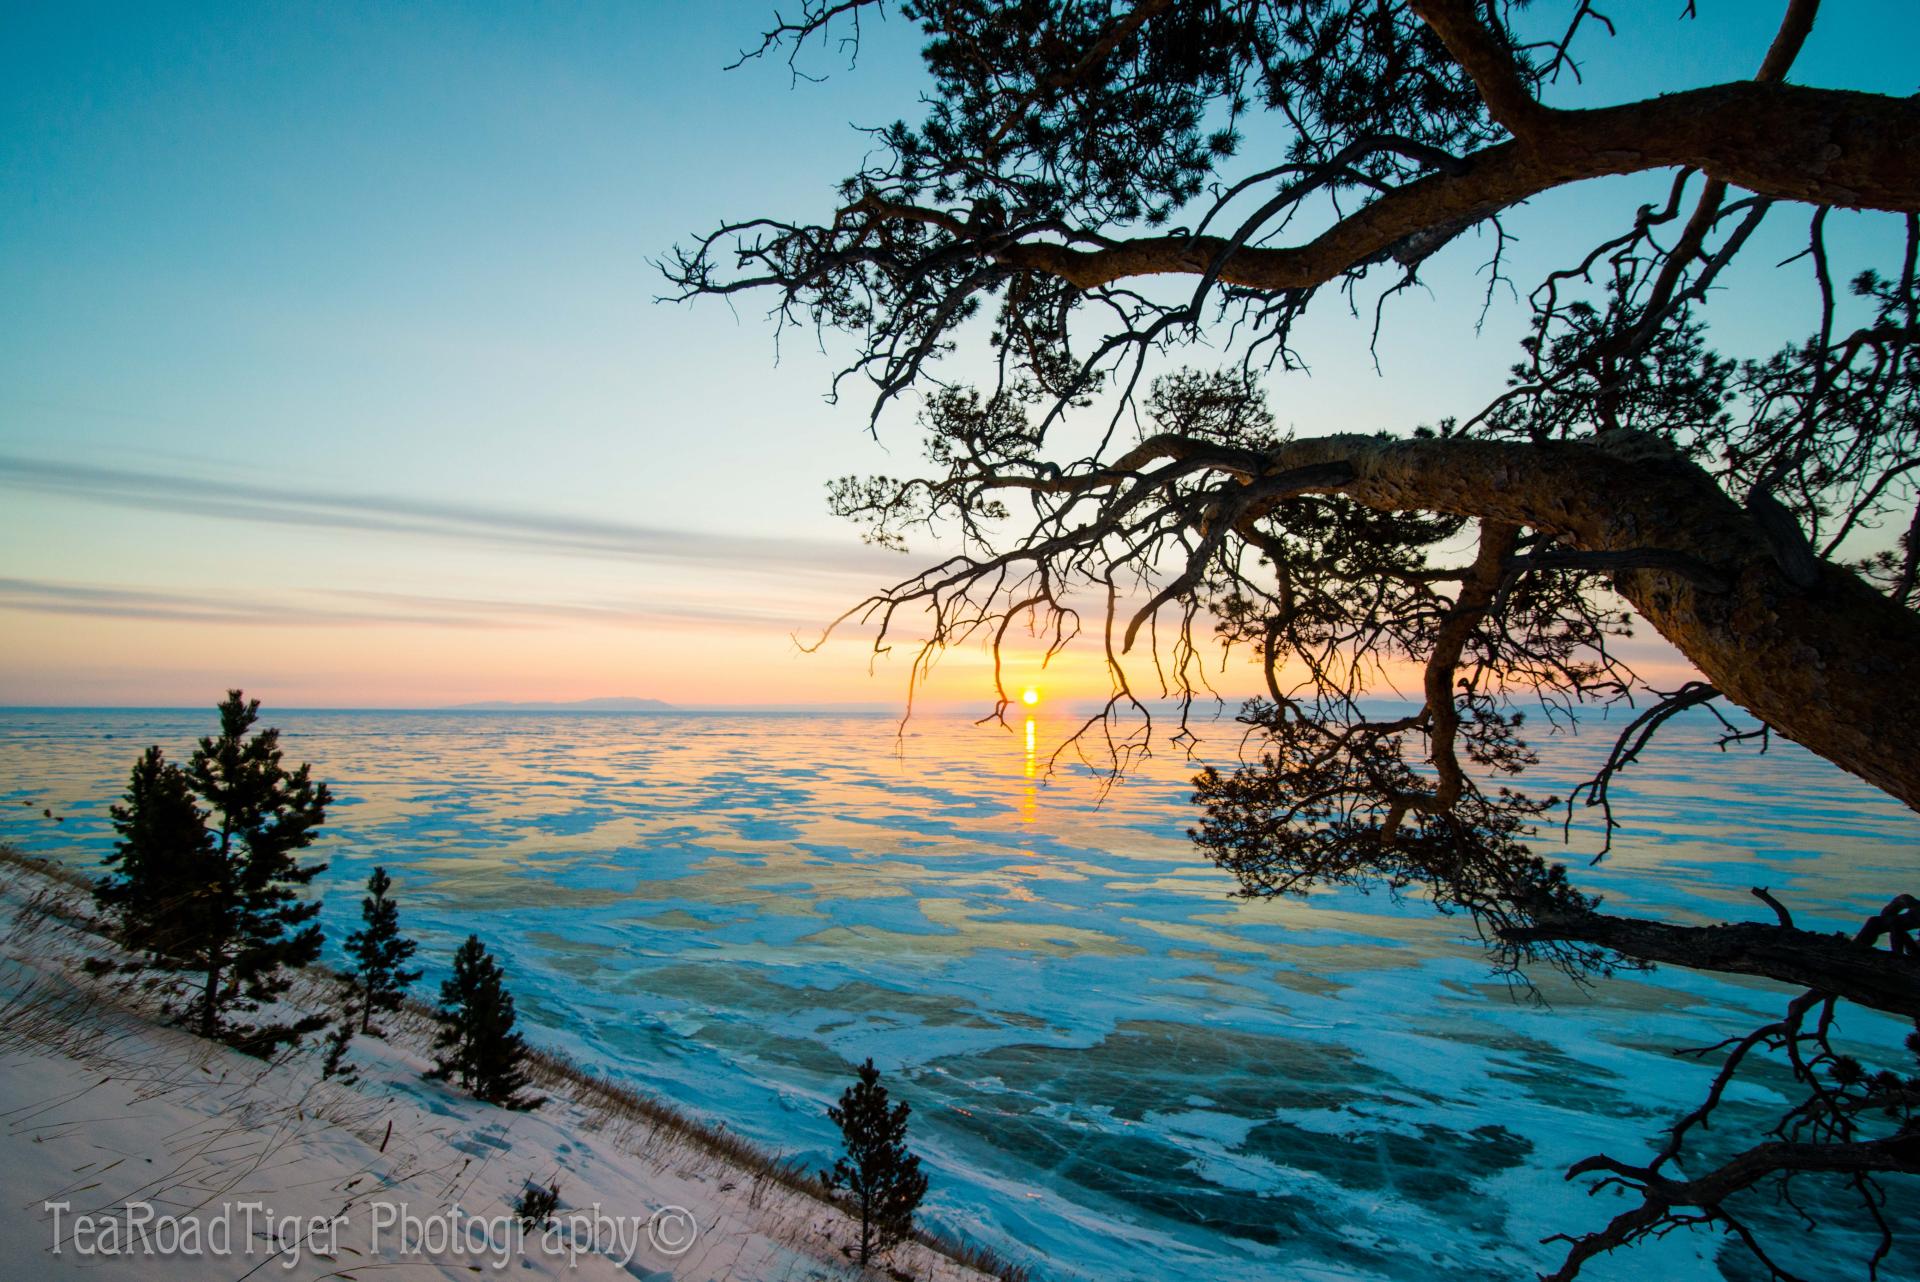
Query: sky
pixel 332 363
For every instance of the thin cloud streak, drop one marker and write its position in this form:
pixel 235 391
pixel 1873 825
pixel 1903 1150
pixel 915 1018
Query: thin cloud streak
pixel 460 522
pixel 331 608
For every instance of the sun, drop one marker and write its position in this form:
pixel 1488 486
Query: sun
pixel 1030 696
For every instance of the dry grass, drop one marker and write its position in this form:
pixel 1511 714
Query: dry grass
pixel 659 1130
pixel 623 1105
pixel 50 869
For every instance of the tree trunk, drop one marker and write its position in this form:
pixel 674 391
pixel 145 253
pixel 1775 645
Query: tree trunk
pixel 1804 645
pixel 1859 972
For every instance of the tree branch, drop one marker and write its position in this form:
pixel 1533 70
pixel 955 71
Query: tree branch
pixel 1824 146
pixel 1835 964
pixel 1488 58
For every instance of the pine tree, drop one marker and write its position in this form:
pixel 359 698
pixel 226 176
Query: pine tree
pixel 884 1178
pixel 335 1064
pixel 259 924
pixel 159 871
pixel 476 1038
pixel 380 953
pixel 206 872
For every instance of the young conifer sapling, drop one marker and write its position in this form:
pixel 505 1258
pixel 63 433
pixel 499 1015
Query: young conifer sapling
pixel 884 1179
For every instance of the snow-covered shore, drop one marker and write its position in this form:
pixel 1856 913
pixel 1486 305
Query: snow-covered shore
pixel 130 1148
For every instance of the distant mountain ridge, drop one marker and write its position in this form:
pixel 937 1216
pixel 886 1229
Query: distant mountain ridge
pixel 615 704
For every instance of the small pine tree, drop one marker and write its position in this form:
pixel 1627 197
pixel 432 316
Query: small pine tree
pixel 380 953
pixel 160 870
pixel 884 1178
pixel 476 1038
pixel 335 1064
pixel 536 1204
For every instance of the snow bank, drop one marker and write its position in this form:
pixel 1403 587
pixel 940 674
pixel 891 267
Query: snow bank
pixel 134 1149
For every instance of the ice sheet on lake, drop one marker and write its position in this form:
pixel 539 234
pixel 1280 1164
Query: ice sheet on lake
pixel 1113 1066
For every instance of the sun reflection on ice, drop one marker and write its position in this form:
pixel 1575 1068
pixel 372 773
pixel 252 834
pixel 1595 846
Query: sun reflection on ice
pixel 1030 796
pixel 1029 805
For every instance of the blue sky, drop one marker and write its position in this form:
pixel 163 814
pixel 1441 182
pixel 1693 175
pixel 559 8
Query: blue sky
pixel 396 259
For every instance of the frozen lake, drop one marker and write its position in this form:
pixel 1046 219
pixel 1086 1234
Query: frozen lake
pixel 1117 1071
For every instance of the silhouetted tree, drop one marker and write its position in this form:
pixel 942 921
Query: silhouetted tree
pixel 476 1041
pixel 162 868
pixel 884 1178
pixel 1094 187
pixel 258 924
pixel 379 952
pixel 206 873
